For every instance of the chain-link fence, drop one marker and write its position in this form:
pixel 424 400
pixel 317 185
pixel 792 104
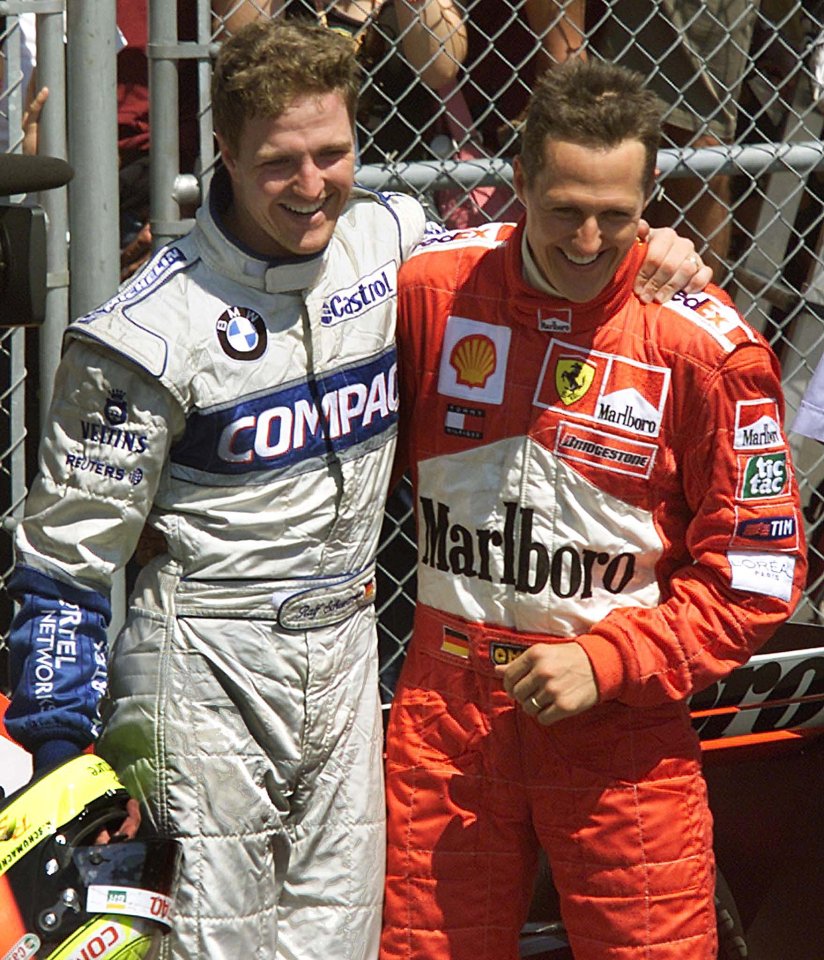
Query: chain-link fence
pixel 444 86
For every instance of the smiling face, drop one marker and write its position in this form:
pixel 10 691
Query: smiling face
pixel 582 211
pixel 291 176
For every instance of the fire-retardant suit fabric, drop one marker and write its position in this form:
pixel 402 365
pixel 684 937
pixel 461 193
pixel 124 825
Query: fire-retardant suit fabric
pixel 248 410
pixel 605 471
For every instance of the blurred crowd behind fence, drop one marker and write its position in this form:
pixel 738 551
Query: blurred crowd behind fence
pixel 742 171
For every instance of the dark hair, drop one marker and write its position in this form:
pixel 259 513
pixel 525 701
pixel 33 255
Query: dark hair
pixel 267 64
pixel 591 103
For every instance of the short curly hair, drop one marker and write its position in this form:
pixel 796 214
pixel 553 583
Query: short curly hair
pixel 267 64
pixel 594 104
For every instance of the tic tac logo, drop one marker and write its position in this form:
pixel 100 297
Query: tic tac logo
pixel 757 425
pixel 241 333
pixel 473 360
pixel 763 477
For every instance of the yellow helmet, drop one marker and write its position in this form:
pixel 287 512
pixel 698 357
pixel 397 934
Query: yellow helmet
pixel 62 897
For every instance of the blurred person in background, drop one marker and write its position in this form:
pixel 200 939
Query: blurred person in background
pixel 695 55
pixel 509 47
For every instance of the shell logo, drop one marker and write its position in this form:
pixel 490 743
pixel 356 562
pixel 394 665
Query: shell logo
pixel 474 360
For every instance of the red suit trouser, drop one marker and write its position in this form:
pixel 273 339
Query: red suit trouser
pixel 615 796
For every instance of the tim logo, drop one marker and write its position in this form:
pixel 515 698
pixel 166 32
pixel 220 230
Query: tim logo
pixel 769 527
pixel 614 391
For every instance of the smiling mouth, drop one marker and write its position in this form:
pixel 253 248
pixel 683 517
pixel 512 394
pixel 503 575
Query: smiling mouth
pixel 305 209
pixel 581 261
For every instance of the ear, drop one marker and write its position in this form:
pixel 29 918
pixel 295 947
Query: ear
pixel 518 178
pixel 226 155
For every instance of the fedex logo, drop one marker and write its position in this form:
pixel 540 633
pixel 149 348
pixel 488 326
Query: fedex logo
pixel 297 423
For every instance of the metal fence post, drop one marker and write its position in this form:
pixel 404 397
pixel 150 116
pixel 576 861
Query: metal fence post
pixel 51 72
pixel 94 211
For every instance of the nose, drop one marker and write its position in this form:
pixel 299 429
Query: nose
pixel 588 236
pixel 309 179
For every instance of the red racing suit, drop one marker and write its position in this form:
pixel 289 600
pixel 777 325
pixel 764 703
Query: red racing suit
pixel 605 471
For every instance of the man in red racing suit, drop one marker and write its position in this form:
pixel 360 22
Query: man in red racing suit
pixel 599 480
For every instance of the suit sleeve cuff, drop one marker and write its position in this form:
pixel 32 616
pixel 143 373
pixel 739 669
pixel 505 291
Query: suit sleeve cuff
pixel 607 665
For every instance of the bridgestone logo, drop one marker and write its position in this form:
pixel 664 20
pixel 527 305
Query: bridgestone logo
pixel 608 453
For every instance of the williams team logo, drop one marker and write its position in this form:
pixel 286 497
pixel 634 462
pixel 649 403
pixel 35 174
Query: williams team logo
pixel 241 333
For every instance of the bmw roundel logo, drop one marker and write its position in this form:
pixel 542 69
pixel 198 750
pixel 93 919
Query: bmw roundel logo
pixel 241 333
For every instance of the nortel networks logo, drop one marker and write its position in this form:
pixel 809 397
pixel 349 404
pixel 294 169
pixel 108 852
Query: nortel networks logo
pixel 367 292
pixel 757 425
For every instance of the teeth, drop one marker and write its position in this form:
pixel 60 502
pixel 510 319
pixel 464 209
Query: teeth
pixel 581 261
pixel 305 210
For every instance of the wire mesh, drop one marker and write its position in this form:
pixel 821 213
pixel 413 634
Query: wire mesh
pixel 743 79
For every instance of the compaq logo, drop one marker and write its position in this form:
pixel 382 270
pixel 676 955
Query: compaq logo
pixel 300 422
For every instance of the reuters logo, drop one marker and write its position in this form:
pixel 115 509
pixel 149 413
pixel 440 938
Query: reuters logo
pixel 473 360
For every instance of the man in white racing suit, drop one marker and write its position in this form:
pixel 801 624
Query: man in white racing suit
pixel 240 395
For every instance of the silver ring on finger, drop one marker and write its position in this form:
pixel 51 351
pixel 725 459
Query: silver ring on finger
pixel 535 703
